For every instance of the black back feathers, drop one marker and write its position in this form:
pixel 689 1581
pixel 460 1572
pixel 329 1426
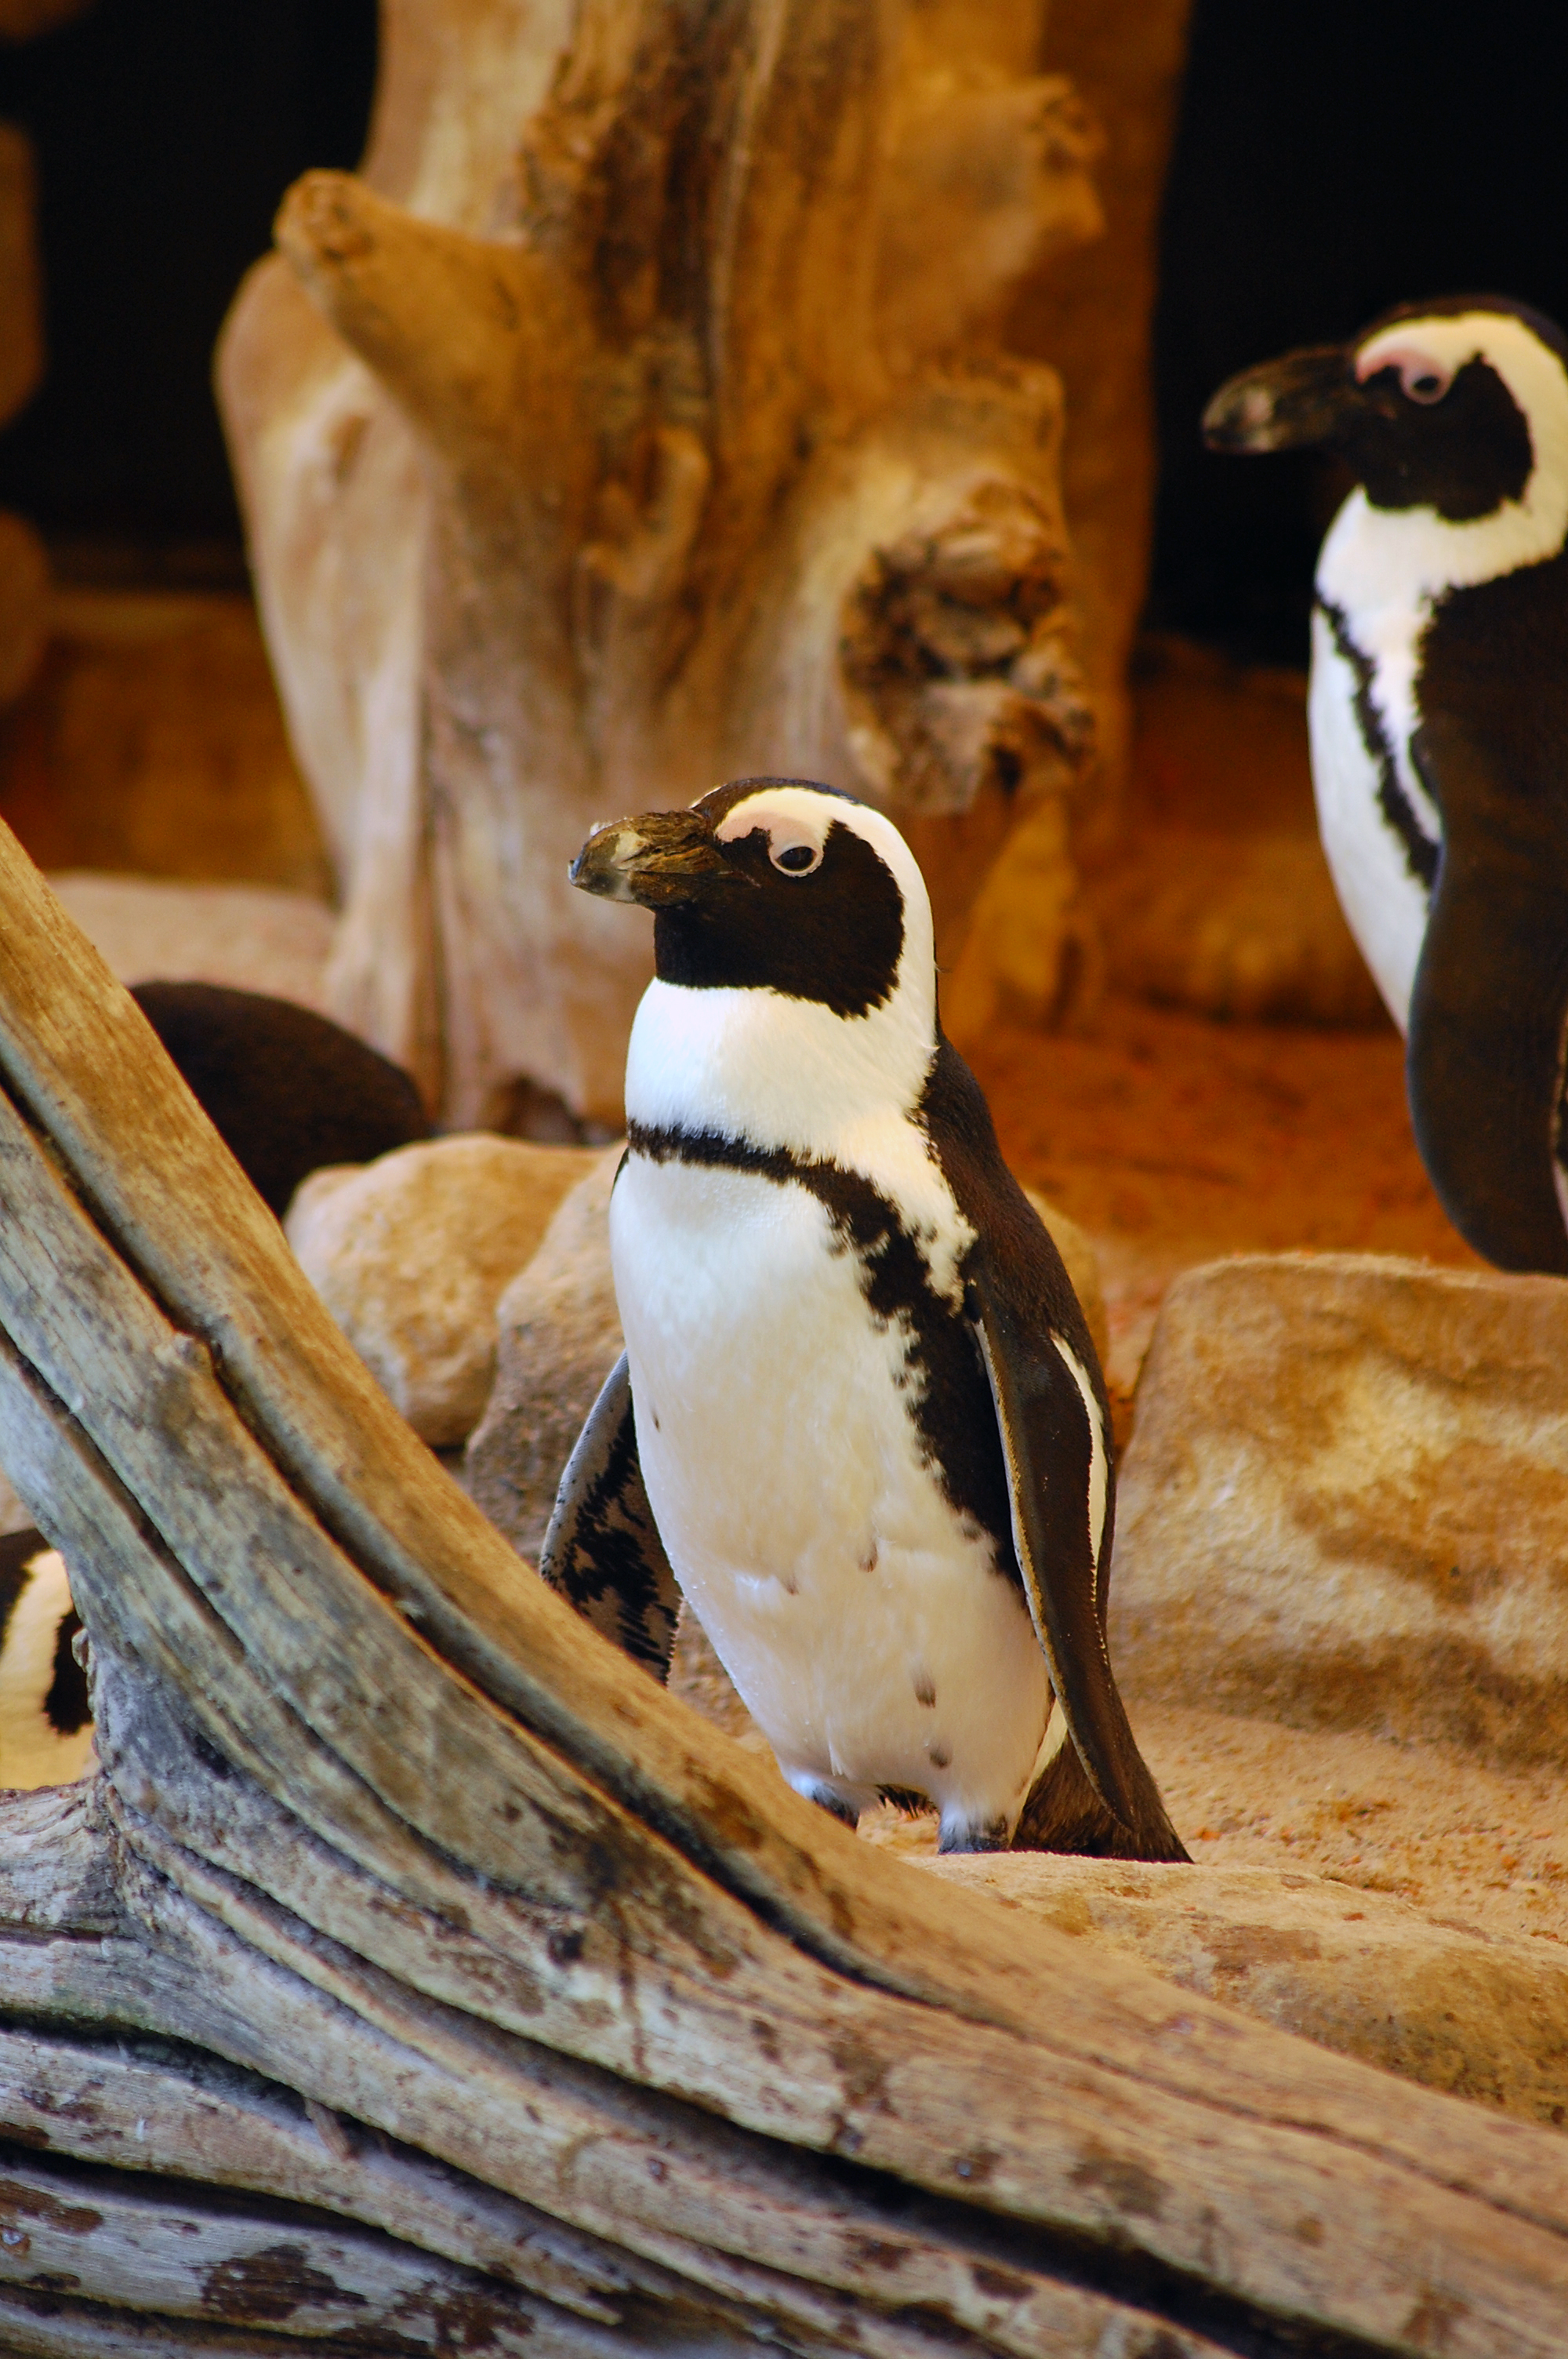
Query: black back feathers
pixel 287 1091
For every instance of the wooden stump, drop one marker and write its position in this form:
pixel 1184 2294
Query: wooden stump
pixel 676 442
pixel 418 1972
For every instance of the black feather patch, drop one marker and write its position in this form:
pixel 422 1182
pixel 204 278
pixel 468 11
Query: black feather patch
pixel 602 1551
pixel 286 1091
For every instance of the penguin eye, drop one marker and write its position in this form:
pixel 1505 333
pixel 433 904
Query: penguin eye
pixel 795 859
pixel 1423 381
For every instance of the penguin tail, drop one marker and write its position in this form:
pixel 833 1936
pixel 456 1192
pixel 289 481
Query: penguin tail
pixel 1064 1813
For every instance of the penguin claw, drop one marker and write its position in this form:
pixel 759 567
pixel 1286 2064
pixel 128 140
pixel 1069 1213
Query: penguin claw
pixel 968 1834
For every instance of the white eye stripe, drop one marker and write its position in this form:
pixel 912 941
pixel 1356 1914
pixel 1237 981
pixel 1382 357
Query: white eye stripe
pixel 795 821
pixel 1424 376
pixel 796 857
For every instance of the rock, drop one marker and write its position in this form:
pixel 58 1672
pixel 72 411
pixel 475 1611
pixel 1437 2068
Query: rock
pixel 411 1253
pixel 1481 2018
pixel 240 935
pixel 558 1335
pixel 1345 1501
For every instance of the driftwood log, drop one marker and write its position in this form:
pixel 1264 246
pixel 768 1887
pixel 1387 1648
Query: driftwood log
pixel 642 415
pixel 418 1974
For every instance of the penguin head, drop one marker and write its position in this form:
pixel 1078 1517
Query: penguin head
pixel 793 945
pixel 1458 406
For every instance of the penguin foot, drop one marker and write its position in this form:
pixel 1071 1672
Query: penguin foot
pixel 971 1834
pixel 826 1797
pixel 1064 1813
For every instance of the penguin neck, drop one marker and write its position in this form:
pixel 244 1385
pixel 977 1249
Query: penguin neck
pixel 779 1073
pixel 1377 560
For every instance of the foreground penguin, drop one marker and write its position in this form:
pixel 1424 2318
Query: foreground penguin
pixel 287 1091
pixel 1439 722
pixel 858 1406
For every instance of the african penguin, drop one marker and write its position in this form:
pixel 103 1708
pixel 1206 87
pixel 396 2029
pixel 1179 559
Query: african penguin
pixel 46 1721
pixel 1438 711
pixel 859 1411
pixel 287 1091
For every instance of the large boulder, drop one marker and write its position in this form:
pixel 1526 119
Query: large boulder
pixel 1346 1502
pixel 411 1253
pixel 1360 1971
pixel 558 1335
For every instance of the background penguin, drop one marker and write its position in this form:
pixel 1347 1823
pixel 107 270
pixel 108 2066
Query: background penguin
pixel 287 1091
pixel 858 1405
pixel 1439 722
pixel 46 1721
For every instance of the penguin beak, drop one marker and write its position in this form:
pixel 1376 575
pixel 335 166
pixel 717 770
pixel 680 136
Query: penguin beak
pixel 1308 398
pixel 658 858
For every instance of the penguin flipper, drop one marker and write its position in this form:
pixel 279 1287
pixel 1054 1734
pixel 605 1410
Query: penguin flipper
pixel 1098 1788
pixel 602 1551
pixel 1483 1061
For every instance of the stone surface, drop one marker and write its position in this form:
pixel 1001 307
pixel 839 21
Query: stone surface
pixel 241 935
pixel 1481 2016
pixel 1377 1903
pixel 1346 1502
pixel 560 1336
pixel 411 1253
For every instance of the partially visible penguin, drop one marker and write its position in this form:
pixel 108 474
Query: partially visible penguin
pixel 1439 723
pixel 46 1721
pixel 859 1413
pixel 287 1091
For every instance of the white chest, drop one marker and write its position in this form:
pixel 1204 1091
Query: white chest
pixel 1385 903
pixel 859 1616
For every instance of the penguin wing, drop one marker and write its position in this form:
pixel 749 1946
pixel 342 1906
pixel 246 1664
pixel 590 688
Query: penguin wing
pixel 1484 1054
pixel 602 1550
pixel 1059 1484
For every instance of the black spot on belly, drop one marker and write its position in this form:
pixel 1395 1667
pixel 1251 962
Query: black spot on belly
pixel 925 1690
pixel 938 1756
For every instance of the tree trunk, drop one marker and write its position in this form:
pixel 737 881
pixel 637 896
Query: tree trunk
pixel 418 1974
pixel 676 443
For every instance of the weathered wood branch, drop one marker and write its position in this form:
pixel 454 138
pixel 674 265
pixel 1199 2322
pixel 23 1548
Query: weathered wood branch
pixel 417 1961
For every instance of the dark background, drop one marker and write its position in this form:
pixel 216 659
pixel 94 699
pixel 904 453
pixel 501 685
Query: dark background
pixel 1333 156
pixel 167 131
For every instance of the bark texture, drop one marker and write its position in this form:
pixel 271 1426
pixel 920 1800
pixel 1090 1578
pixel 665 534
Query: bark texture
pixel 418 1972
pixel 640 417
